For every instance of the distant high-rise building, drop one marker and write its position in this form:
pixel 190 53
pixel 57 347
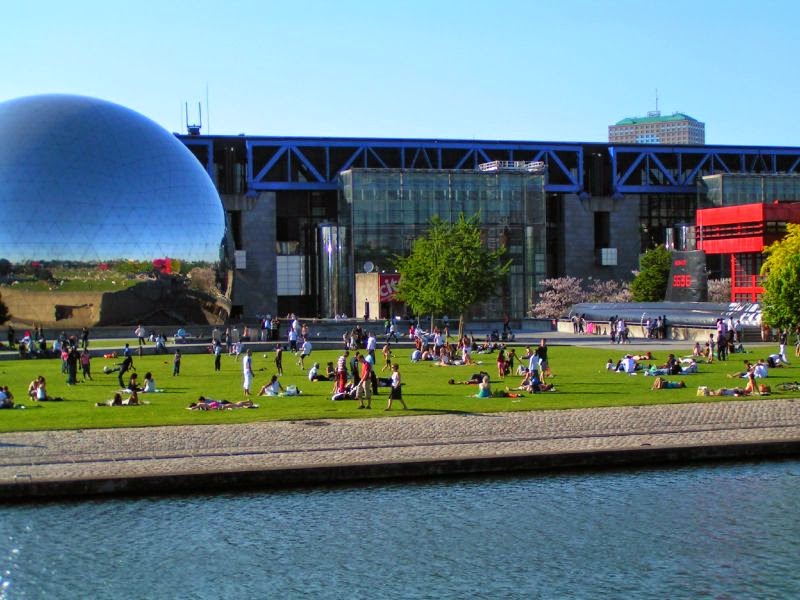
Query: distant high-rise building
pixel 676 128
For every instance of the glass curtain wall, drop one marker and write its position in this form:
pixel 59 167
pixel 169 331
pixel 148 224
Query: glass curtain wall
pixel 733 189
pixel 385 210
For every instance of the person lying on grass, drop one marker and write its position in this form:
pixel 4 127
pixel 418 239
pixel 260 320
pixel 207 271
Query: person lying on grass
pixel 204 403
pixel 118 400
pixel 662 384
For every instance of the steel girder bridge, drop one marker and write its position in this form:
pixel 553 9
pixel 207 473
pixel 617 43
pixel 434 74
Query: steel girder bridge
pixel 295 163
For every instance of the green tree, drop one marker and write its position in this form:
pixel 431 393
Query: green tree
pixel 650 285
pixel 780 304
pixel 450 269
pixel 4 314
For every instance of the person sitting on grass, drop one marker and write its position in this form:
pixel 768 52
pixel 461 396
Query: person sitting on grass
pixel 149 384
pixel 273 388
pixel 474 379
pixel 315 375
pixel 6 397
pixel 40 392
pixel 484 388
pixel 533 383
pixel 747 368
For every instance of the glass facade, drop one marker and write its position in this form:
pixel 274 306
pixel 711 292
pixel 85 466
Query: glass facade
pixel 386 209
pixel 732 189
pixel 660 213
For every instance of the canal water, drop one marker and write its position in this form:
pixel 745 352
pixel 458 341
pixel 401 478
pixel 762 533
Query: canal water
pixel 720 531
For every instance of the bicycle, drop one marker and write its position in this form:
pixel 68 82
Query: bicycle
pixel 789 386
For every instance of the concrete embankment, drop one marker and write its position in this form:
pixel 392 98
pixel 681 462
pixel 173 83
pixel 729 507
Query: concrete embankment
pixel 222 458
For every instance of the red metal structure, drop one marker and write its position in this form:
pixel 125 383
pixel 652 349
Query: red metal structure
pixel 743 231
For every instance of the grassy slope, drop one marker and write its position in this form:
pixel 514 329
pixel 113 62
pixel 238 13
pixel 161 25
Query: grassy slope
pixel 581 381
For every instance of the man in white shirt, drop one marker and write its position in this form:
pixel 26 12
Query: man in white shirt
pixel 305 350
pixel 372 343
pixel 247 373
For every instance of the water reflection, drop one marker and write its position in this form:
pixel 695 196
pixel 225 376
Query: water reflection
pixel 723 531
pixel 94 194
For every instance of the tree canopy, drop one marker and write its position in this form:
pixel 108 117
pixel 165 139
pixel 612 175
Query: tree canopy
pixel 650 285
pixel 450 268
pixel 4 314
pixel 780 304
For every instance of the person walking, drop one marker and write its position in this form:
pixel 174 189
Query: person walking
pixel 176 363
pixel 247 372
pixel 396 392
pixel 125 366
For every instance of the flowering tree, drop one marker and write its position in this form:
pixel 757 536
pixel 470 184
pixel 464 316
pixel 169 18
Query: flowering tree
pixel 560 293
pixel 719 290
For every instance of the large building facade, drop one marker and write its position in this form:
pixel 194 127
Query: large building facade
pixel 294 203
pixel 676 128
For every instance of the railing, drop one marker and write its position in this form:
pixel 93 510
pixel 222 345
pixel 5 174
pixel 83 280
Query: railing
pixel 533 166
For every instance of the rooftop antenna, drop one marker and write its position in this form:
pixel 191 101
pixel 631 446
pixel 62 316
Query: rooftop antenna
pixel 656 112
pixel 208 112
pixel 194 129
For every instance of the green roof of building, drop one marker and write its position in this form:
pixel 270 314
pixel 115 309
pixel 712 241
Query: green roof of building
pixel 659 119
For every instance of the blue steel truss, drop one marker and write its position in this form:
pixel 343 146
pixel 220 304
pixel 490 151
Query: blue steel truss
pixel 315 163
pixel 676 169
pixel 293 163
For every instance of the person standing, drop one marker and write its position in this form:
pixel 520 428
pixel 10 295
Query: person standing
pixel 372 344
pixel 341 371
pixel 387 356
pixel 501 364
pixel 364 389
pixel 140 333
pixel 217 355
pixel 176 363
pixel 783 338
pixel 247 372
pixel 84 338
pixel 279 359
pixel 73 358
pixel 544 364
pixel 396 392
pixel 86 364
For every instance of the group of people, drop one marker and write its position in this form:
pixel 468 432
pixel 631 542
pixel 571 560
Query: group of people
pixel 355 378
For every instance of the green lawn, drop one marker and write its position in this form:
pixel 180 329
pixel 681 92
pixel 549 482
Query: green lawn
pixel 581 382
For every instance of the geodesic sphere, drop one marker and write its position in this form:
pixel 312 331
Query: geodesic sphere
pixel 85 181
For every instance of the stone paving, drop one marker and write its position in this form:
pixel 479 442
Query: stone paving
pixel 171 451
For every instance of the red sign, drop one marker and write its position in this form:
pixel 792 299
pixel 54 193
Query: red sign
pixel 681 281
pixel 388 289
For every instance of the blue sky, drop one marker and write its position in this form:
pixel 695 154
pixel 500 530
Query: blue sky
pixel 545 70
